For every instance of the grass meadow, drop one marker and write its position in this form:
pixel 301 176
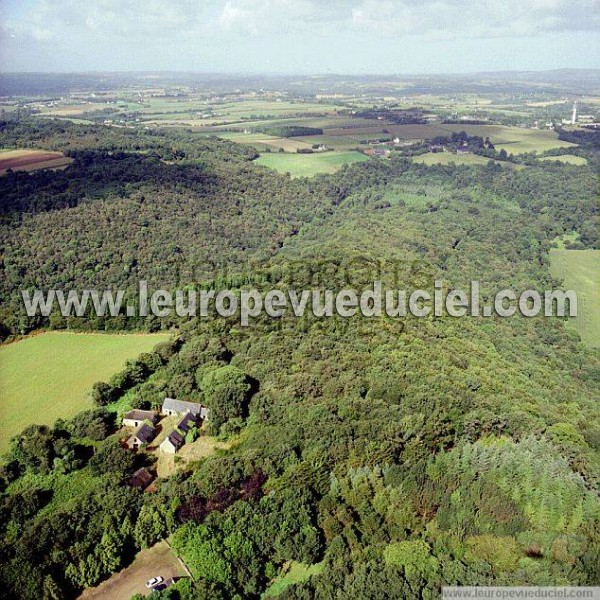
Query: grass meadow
pixel 445 158
pixel 49 376
pixel 579 269
pixel 308 165
pixel 566 158
pixel 293 572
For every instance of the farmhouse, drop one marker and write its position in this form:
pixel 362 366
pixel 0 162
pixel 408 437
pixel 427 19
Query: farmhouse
pixel 172 407
pixel 134 418
pixel 172 443
pixel 141 437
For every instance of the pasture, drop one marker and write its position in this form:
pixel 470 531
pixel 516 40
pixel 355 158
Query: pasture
pixel 446 158
pixel 32 160
pixel 49 376
pixel 308 165
pixel 291 573
pixel 566 158
pixel 578 270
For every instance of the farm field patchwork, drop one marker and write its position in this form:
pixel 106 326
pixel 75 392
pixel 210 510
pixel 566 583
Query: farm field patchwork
pixel 308 165
pixel 31 160
pixel 260 141
pixel 579 269
pixel 346 133
pixel 49 376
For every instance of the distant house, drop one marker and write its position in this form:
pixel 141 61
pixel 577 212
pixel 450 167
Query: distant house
pixel 380 152
pixel 172 407
pixel 436 148
pixel 141 437
pixel 172 443
pixel 463 150
pixel 141 479
pixel 134 418
pixel 377 152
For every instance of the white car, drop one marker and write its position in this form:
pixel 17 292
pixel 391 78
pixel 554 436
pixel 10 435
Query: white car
pixel 154 581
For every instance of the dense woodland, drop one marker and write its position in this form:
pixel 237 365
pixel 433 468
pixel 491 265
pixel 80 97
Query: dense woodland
pixel 401 454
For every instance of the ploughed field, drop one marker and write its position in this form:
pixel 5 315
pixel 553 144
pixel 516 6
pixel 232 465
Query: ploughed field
pixel 31 160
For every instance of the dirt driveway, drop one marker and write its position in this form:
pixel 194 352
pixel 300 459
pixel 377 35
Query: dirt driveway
pixel 158 560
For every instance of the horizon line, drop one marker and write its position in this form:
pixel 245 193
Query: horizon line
pixel 298 74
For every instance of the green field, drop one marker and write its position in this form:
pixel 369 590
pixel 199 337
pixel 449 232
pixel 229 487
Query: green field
pixel 579 270
pixel 308 165
pixel 445 158
pixel 294 572
pixel 48 376
pixel 566 158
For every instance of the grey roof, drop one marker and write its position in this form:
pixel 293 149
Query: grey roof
pixel 140 415
pixel 181 406
pixel 145 433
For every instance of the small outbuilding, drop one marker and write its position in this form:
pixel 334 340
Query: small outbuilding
pixel 188 421
pixel 141 437
pixel 141 479
pixel 172 443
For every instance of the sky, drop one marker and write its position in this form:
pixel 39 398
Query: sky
pixel 299 36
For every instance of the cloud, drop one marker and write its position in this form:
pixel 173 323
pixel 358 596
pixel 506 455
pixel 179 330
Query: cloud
pixel 53 19
pixel 279 16
pixel 178 20
pixel 475 18
pixel 428 18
